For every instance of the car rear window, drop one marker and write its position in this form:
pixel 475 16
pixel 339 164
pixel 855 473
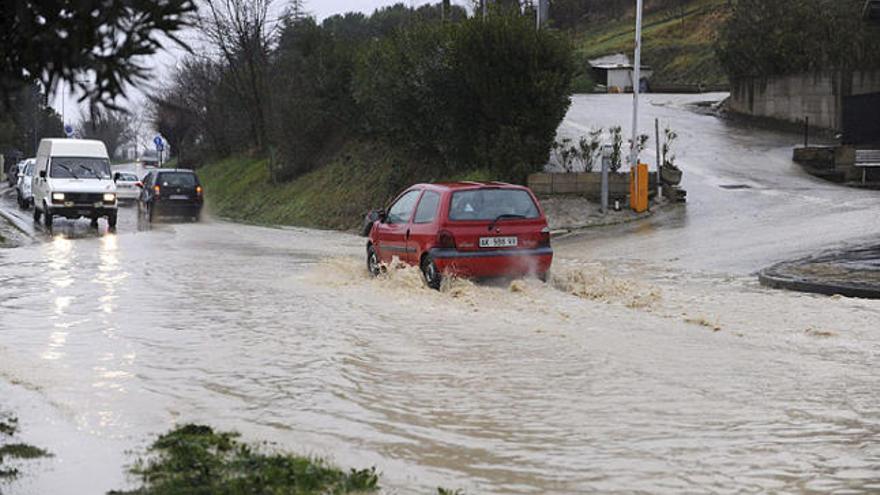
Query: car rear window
pixel 176 179
pixel 489 204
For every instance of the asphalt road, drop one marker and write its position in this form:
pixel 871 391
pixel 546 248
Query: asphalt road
pixel 653 361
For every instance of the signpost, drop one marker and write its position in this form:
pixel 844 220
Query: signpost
pixel 636 84
pixel 160 147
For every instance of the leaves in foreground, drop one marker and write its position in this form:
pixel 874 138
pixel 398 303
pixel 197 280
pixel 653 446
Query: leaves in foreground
pixel 194 459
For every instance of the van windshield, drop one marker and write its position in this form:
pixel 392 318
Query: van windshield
pixel 489 204
pixel 64 167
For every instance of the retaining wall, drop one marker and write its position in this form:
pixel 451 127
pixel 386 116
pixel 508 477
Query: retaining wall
pixel 587 184
pixel 818 96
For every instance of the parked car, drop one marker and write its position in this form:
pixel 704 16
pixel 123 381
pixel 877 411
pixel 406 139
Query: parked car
pixel 73 180
pixel 23 189
pixel 468 229
pixel 14 172
pixel 171 192
pixel 128 186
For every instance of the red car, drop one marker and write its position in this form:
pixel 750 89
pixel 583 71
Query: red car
pixel 469 229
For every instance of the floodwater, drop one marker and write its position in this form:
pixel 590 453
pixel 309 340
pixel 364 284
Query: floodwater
pixel 652 362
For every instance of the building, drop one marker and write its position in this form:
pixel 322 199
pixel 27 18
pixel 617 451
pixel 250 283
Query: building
pixel 615 73
pixel 872 10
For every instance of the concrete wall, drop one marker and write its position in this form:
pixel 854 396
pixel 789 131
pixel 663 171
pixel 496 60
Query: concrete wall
pixel 818 96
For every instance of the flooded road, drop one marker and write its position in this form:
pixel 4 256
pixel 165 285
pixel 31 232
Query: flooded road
pixel 652 361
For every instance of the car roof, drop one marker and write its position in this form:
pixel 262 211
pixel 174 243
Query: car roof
pixel 75 147
pixel 466 185
pixel 164 170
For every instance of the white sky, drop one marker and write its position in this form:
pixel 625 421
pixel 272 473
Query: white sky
pixel 164 62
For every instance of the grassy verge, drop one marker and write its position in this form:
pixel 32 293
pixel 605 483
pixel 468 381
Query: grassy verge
pixel 194 459
pixel 680 48
pixel 360 177
pixel 14 450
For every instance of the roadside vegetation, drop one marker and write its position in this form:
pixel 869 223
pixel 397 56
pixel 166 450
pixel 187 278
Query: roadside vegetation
pixel 783 37
pixel 679 38
pixel 195 459
pixel 10 450
pixel 339 116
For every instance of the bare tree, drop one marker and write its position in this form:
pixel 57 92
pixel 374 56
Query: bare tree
pixel 244 33
pixel 113 127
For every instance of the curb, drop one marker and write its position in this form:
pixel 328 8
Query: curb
pixel 769 278
pixel 16 223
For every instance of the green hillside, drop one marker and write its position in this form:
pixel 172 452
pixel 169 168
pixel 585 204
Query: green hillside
pixel 679 48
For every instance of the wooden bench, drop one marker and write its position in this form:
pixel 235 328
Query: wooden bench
pixel 866 159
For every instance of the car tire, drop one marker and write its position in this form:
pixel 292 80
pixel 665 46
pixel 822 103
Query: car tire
pixel 544 277
pixel 36 213
pixel 111 220
pixel 373 265
pixel 432 275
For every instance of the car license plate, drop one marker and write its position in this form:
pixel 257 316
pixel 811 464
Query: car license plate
pixel 494 242
pixel 179 196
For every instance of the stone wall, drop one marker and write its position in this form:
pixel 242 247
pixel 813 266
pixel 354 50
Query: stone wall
pixel 587 184
pixel 818 96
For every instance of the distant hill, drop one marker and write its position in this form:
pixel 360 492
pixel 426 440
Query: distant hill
pixel 679 44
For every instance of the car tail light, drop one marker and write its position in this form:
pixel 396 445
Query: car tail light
pixel 445 239
pixel 199 190
pixel 544 239
pixel 157 190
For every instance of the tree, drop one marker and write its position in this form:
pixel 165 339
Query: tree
pixel 113 127
pixel 49 41
pixel 244 34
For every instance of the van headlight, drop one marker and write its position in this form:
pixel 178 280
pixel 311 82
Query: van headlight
pixel 59 197
pixel 109 197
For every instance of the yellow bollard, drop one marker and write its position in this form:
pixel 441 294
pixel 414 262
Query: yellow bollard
pixel 638 188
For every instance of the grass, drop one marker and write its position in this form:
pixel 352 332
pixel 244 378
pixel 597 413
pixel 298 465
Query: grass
pixel 8 428
pixel 680 49
pixel 195 460
pixel 360 177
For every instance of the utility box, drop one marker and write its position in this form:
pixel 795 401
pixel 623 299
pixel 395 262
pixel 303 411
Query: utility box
pixel 638 188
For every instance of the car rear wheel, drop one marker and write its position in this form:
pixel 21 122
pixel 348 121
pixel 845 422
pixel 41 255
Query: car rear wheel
pixel 373 261
pixel 432 275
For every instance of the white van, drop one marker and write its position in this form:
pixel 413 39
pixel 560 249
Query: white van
pixel 72 179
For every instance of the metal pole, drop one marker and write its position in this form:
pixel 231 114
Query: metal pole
pixel 806 131
pixel 485 8
pixel 637 75
pixel 659 163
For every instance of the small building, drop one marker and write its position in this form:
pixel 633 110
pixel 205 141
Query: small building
pixel 615 73
pixel 872 10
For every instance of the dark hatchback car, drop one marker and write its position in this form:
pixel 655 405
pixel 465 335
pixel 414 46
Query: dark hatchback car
pixel 171 193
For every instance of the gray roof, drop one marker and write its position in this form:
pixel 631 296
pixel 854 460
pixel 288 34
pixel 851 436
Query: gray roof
pixel 616 61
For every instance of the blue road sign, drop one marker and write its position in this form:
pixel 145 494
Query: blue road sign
pixel 158 141
pixel 68 130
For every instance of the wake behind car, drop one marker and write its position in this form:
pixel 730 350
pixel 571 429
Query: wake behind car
pixel 72 179
pixel 468 229
pixel 171 192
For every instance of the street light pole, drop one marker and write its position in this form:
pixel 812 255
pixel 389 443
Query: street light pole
pixel 637 79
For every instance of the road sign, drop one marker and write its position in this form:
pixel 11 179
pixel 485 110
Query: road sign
pixel 160 146
pixel 158 141
pixel 68 130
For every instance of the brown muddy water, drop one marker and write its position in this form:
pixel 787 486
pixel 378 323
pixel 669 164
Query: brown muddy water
pixel 632 370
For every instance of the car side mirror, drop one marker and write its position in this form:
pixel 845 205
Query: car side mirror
pixel 378 215
pixel 42 174
pixel 116 176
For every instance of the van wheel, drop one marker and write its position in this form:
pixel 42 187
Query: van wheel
pixel 432 275
pixel 373 261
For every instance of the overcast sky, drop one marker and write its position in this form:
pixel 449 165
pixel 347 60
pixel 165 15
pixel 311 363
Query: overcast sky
pixel 166 61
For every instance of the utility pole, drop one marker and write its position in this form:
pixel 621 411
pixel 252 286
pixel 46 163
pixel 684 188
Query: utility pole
pixel 637 76
pixel 485 9
pixel 542 13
